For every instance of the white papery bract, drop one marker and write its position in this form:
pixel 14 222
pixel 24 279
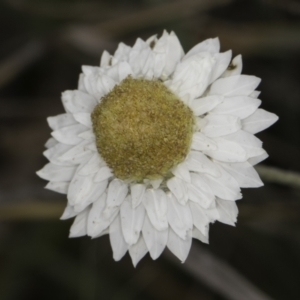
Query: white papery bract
pixel 149 216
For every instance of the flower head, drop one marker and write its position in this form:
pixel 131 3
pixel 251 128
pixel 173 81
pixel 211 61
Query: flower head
pixel 155 145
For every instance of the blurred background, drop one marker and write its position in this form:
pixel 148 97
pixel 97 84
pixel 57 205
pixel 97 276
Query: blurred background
pixel 43 44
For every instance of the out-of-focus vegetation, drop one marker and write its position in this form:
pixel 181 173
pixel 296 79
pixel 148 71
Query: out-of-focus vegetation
pixel 43 45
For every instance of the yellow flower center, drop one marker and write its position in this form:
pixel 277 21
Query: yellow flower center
pixel 142 129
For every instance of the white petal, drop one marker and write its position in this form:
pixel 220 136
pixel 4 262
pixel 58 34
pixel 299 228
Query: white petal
pixel 156 183
pixel 200 192
pixel 138 55
pixel 87 135
pixel 259 121
pixel 104 232
pixel 138 251
pixel 61 121
pixel 160 55
pixel 155 203
pixel 91 166
pixel 59 187
pixel 147 61
pixel 228 211
pixel 224 186
pixel 220 125
pixel 79 187
pixel 240 106
pixel 90 84
pixel 56 173
pixel 179 216
pixel 103 174
pixel 179 189
pixel 68 213
pixel 84 119
pixel 94 193
pixel 162 43
pixel 55 152
pixel 209 45
pixel 203 105
pixel 51 142
pixel 159 63
pixel 79 226
pixel 116 238
pixel 257 159
pixel 244 174
pixel 182 171
pixel 235 68
pixel 91 146
pixel 91 70
pixel 113 72
pixel 137 194
pixel 117 191
pixel 124 70
pixel 152 40
pixel 149 74
pixel 251 144
pixel 77 101
pixel 81 86
pixel 122 52
pixel 201 142
pixel 227 151
pixel 155 240
pixel 96 223
pixel 222 62
pixel 198 162
pixel 178 246
pixel 192 75
pixel 200 220
pixel 197 234
pixel 105 84
pixel 238 85
pixel 255 94
pixel 212 213
pixel 171 47
pixel 105 59
pixel 132 220
pixel 69 135
pixel 200 123
pixel 76 154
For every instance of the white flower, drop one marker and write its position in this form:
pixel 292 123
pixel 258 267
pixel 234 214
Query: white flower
pixel 155 145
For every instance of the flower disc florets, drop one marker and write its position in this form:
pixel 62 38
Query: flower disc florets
pixel 156 144
pixel 142 129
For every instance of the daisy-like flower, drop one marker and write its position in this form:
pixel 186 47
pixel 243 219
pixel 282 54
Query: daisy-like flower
pixel 156 144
